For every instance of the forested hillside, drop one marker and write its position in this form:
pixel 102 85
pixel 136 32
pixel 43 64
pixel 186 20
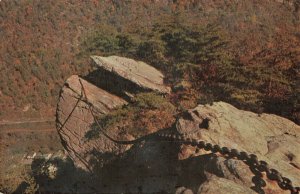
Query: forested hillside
pixel 243 52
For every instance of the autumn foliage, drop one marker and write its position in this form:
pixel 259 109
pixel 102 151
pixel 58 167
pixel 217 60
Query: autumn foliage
pixel 242 52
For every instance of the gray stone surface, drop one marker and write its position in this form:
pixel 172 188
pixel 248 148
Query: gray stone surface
pixel 272 138
pixel 138 72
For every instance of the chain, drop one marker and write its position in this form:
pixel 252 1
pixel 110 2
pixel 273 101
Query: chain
pixel 257 166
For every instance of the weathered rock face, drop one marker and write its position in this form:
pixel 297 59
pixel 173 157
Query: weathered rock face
pixel 137 72
pixel 74 119
pixel 272 138
pixel 152 165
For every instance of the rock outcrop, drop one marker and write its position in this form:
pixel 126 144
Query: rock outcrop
pixel 138 72
pixel 272 138
pixel 74 119
pixel 152 165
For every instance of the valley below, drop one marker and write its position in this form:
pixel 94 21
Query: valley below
pixel 20 141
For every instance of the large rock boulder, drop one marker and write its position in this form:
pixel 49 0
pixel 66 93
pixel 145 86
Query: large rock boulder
pixel 272 138
pixel 111 86
pixel 138 72
pixel 74 119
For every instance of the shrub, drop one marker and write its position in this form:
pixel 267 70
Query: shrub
pixel 152 101
pixel 137 118
pixel 152 51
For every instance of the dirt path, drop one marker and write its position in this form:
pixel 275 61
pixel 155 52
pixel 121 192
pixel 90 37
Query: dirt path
pixel 28 125
pixel 36 120
pixel 25 130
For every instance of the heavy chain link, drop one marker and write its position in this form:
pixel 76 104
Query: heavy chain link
pixel 250 159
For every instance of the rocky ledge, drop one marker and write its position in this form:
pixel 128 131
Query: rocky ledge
pixel 272 138
pixel 151 165
pixel 109 87
pixel 138 72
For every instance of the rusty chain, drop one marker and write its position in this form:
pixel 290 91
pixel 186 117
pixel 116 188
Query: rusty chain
pixel 256 166
pixel 250 159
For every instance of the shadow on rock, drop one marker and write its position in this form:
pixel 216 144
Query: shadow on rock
pixel 57 176
pixel 113 83
pixel 150 166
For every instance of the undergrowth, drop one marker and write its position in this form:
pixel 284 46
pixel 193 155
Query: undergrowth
pixel 148 113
